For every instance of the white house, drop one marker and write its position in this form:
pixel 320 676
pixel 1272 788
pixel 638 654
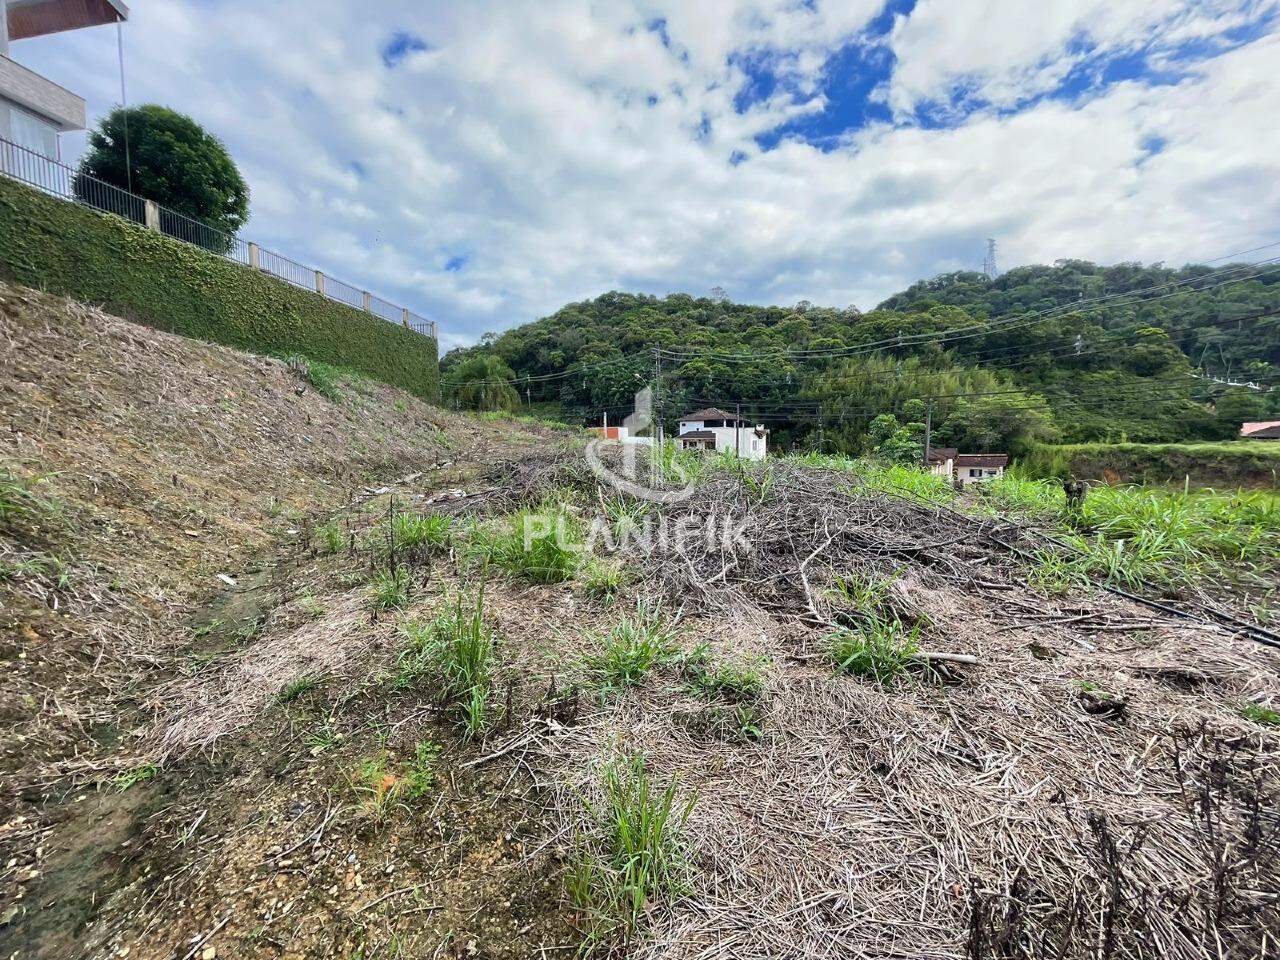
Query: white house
pixel 966 468
pixel 942 462
pixel 979 467
pixel 716 430
pixel 33 109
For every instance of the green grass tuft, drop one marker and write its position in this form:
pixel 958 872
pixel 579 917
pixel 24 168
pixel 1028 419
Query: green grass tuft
pixel 879 649
pixel 1266 716
pixel 735 682
pixel 18 499
pixel 136 775
pixel 540 546
pixel 297 688
pixel 331 536
pixel 635 854
pixel 458 650
pixel 603 580
pixel 632 647
pixel 391 590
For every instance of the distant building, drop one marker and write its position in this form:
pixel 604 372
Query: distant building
pixel 33 109
pixel 966 468
pixel 619 435
pixel 1261 430
pixel 716 430
pixel 942 462
pixel 979 467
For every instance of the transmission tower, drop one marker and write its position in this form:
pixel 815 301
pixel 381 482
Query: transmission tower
pixel 989 264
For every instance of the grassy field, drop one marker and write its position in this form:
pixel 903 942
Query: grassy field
pixel 1227 463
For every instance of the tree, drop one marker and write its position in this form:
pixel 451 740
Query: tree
pixel 173 161
pixel 1238 405
pixel 482 382
pixel 999 423
pixel 895 442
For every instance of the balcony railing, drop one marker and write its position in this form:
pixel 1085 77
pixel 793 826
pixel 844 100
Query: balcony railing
pixel 62 181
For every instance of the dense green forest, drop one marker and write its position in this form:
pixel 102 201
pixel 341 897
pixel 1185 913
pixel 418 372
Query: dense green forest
pixel 1074 352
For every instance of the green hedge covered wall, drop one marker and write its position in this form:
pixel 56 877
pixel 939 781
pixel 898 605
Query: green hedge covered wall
pixel 146 277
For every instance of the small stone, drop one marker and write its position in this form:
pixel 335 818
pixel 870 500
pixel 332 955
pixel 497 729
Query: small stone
pixel 209 953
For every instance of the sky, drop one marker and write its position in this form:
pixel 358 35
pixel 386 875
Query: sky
pixel 485 163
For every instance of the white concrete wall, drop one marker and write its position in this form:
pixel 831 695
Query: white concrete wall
pixel 962 474
pixel 742 443
pixel 42 97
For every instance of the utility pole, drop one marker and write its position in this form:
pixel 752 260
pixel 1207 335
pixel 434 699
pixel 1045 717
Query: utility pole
pixel 657 404
pixel 737 430
pixel 822 436
pixel 928 429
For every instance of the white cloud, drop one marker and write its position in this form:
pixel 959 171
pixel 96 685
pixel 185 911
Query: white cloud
pixel 524 138
pixel 1004 51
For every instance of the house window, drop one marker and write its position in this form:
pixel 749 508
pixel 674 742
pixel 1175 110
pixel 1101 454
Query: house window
pixel 974 473
pixel 33 133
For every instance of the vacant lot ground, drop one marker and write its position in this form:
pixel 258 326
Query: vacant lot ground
pixel 288 675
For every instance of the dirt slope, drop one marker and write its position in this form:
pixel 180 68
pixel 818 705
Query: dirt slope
pixel 154 483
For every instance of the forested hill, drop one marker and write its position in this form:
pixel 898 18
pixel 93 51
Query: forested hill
pixel 1072 352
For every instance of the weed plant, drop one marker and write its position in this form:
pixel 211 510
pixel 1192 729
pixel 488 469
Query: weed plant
pixel 625 653
pixel 635 854
pixel 879 649
pixel 458 650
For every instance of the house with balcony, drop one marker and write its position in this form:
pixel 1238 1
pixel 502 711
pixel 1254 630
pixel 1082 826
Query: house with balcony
pixel 715 430
pixel 34 110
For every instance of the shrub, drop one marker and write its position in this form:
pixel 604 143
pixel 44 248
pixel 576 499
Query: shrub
pixel 421 774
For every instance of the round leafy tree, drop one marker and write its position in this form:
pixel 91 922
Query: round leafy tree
pixel 481 382
pixel 173 161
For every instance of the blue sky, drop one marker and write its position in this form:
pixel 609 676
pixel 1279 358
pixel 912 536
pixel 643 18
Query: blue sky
pixel 487 162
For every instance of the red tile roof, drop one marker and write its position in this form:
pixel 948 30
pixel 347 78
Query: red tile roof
pixel 1266 433
pixel 1261 429
pixel 710 413
pixel 982 459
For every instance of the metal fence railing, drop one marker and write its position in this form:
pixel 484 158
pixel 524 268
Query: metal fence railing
pixel 62 181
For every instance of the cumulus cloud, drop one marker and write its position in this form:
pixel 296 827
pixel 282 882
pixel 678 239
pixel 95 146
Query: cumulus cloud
pixel 485 163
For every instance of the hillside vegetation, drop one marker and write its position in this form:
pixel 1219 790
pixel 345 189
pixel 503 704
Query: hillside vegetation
pixel 1048 357
pixel 1224 464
